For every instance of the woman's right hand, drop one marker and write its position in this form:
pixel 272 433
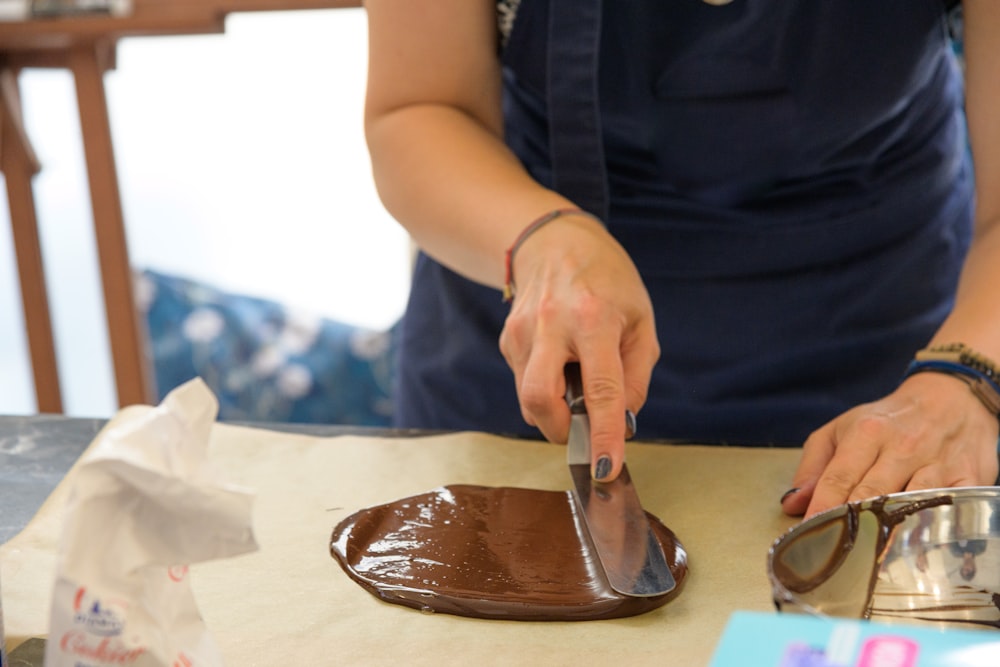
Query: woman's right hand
pixel 434 127
pixel 580 298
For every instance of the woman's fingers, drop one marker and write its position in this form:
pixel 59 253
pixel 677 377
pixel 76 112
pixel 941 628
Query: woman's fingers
pixel 930 433
pixel 604 392
pixel 816 454
pixel 583 302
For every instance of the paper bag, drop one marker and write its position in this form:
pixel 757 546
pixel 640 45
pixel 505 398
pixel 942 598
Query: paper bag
pixel 143 506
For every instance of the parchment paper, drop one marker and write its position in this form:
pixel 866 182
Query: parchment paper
pixel 290 604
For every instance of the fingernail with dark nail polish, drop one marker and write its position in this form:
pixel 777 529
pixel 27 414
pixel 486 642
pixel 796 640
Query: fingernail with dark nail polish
pixel 603 468
pixel 789 492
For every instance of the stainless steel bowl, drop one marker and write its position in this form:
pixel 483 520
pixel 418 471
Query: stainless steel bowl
pixel 926 556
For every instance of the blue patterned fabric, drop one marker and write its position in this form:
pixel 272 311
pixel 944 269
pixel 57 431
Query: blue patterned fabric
pixel 265 362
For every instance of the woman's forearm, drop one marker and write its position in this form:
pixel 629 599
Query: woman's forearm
pixel 975 319
pixel 455 186
pixel 434 127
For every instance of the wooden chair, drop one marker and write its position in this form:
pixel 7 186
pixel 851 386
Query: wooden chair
pixel 86 45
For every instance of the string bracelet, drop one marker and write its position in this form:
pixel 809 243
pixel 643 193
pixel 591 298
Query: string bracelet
pixel 509 288
pixel 958 360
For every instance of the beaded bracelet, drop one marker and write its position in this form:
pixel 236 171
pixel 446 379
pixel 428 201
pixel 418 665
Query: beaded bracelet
pixel 960 353
pixel 509 289
pixel 959 361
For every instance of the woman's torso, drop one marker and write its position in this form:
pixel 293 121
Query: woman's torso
pixel 789 178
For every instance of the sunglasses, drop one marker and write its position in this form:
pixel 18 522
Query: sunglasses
pixel 929 556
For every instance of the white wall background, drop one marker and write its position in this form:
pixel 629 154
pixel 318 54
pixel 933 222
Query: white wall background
pixel 242 163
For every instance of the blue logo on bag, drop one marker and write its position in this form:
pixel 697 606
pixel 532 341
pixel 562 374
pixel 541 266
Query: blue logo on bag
pixel 95 619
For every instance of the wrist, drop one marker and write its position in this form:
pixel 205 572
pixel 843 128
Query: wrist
pixel 510 286
pixel 978 372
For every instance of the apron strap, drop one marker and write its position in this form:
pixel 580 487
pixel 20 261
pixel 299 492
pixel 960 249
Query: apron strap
pixel 575 142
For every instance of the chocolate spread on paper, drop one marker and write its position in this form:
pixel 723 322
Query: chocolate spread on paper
pixel 484 552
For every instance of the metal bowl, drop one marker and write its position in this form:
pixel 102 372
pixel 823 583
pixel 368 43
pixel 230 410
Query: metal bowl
pixel 931 557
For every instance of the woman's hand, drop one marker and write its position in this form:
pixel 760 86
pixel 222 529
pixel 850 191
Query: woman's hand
pixel 932 432
pixel 580 298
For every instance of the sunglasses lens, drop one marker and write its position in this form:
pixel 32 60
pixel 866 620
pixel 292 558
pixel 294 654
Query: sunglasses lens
pixel 830 566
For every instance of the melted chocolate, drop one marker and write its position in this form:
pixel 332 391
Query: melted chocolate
pixel 938 612
pixel 501 553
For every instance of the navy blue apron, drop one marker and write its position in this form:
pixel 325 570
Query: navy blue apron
pixel 790 178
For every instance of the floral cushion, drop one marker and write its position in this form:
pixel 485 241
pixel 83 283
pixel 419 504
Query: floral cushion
pixel 265 362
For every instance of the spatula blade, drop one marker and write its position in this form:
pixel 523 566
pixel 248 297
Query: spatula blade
pixel 616 525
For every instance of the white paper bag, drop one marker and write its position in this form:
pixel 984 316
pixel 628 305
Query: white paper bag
pixel 143 506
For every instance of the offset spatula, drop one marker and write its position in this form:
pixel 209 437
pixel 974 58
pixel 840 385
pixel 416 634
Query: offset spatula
pixel 626 547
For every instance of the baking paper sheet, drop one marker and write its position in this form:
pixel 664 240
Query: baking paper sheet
pixel 290 604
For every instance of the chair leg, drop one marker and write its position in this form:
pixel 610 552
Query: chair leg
pixel 19 164
pixel 88 64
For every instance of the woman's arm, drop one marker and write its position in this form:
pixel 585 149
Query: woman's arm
pixel 976 318
pixel 932 431
pixel 434 128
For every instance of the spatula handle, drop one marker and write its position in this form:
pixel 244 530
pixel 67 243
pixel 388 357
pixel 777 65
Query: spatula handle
pixel 574 389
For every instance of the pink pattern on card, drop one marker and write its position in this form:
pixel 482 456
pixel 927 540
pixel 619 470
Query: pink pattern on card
pixel 889 652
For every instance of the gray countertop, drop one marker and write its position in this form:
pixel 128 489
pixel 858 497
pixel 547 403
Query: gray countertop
pixel 37 451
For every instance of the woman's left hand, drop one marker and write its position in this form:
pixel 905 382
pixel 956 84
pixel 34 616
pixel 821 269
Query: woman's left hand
pixel 931 432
